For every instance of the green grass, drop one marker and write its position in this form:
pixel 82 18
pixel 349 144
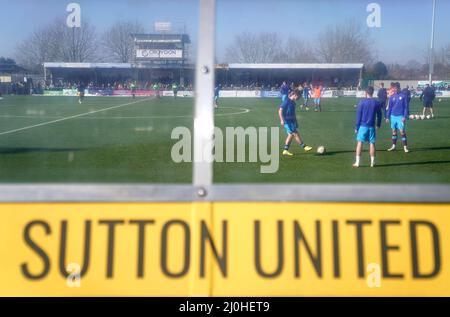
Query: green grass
pixel 132 143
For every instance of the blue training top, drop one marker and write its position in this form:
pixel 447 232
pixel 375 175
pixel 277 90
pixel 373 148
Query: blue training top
pixel 284 90
pixel 305 92
pixel 382 94
pixel 368 110
pixel 398 106
pixel 288 111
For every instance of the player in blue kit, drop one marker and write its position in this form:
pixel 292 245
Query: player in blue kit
pixel 306 96
pixel 368 114
pixel 397 114
pixel 284 90
pixel 382 98
pixel 81 88
pixel 288 119
pixel 216 95
pixel 427 97
pixel 407 93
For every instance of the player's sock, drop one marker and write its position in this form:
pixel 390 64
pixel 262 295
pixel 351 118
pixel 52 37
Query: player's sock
pixel 358 159
pixel 372 161
pixel 404 140
pixel 286 146
pixel 394 140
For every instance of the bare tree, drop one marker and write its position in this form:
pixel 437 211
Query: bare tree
pixel 56 42
pixel 255 48
pixel 345 43
pixel 298 51
pixel 118 41
pixel 447 54
pixel 442 55
pixel 41 46
pixel 78 44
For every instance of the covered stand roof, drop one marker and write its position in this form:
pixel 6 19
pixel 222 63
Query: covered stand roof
pixel 161 38
pixel 88 65
pixel 295 66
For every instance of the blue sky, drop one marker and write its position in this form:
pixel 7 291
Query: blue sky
pixel 404 33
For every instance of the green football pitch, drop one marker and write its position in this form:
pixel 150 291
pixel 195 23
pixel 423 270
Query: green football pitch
pixel 121 140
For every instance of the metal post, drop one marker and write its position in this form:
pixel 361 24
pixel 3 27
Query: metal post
pixel 204 93
pixel 360 79
pixel 73 44
pixel 430 76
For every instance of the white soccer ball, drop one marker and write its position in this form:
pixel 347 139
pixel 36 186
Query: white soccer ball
pixel 417 117
pixel 422 117
pixel 411 116
pixel 321 150
pixel 428 117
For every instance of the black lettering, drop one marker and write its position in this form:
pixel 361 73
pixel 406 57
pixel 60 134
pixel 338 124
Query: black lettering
pixel 360 243
pixel 258 264
pixel 111 238
pixel 206 236
pixel 415 253
pixel 385 248
pixel 336 259
pixel 39 251
pixel 141 244
pixel 63 245
pixel 316 260
pixel 187 248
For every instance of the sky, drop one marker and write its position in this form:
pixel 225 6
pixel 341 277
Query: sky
pixel 404 33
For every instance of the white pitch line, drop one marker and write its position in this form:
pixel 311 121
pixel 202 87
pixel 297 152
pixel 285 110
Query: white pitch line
pixel 71 117
pixel 242 111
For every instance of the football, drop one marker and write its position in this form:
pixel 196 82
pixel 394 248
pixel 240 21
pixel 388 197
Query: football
pixel 428 117
pixel 422 117
pixel 411 116
pixel 321 150
pixel 417 116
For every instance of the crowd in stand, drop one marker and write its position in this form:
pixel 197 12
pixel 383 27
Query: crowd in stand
pixel 117 85
pixel 275 86
pixel 28 87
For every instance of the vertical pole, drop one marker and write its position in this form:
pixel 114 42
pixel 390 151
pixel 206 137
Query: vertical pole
pixel 203 137
pixel 360 82
pixel 431 60
pixel 45 76
pixel 204 93
pixel 73 44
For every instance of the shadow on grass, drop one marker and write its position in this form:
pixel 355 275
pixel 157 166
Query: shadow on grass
pixel 437 148
pixel 345 152
pixel 413 163
pixel 24 150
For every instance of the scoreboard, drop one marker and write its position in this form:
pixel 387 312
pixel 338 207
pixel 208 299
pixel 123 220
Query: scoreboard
pixel 171 49
pixel 159 54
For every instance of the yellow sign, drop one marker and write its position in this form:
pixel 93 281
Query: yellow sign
pixel 225 249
